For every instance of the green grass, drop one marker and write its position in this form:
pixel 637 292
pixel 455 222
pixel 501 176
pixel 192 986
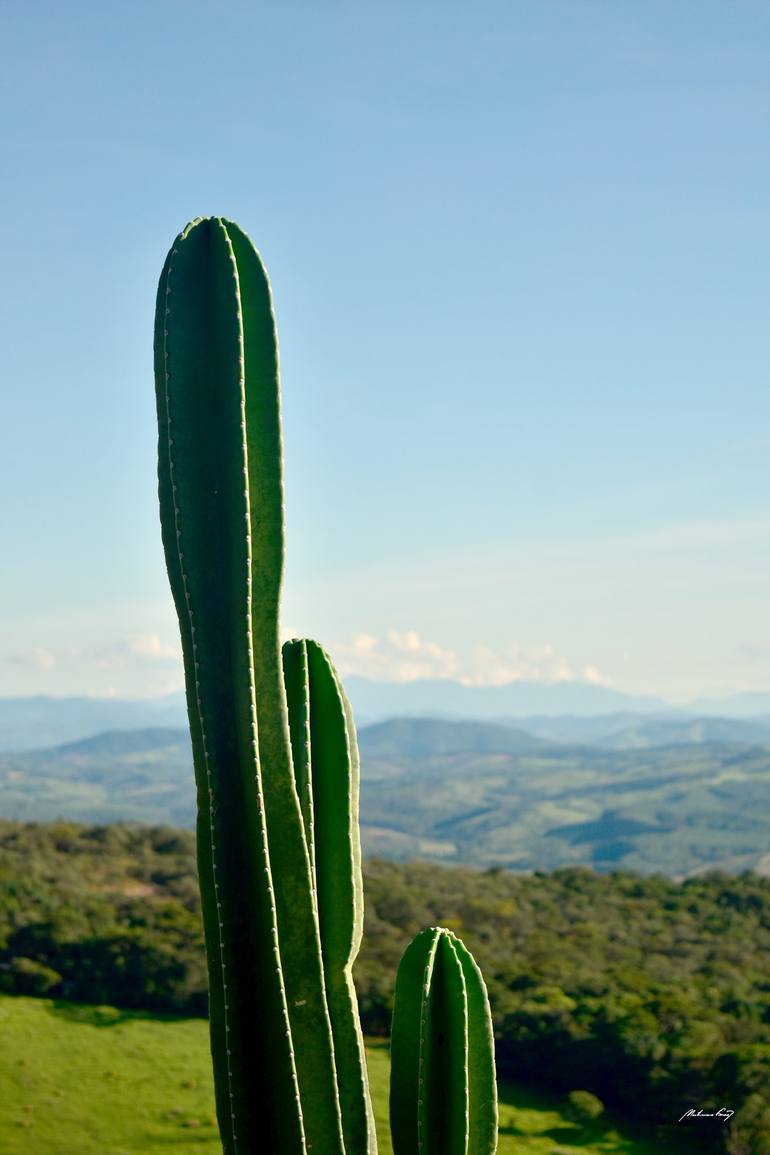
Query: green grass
pixel 97 1081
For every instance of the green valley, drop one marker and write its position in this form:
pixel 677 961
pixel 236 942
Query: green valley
pixel 469 792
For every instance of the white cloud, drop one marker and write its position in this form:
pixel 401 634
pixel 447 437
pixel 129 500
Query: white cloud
pixel 150 646
pixel 399 656
pixel 405 656
pixel 364 643
pixel 141 663
pixel 135 653
pixel 140 647
pixel 147 664
pixel 517 663
pixel 698 534
pixel 33 659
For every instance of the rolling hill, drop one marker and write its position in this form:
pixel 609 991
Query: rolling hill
pixel 475 792
pixel 580 708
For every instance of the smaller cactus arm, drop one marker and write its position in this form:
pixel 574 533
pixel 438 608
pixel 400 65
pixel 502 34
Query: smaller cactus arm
pixel 482 1084
pixel 332 771
pixel 326 774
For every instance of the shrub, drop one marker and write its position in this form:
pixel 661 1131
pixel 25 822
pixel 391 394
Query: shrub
pixel 582 1107
pixel 24 976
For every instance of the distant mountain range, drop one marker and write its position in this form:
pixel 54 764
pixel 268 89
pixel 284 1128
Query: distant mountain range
pixel 441 697
pixel 628 731
pixel 648 794
pixel 30 723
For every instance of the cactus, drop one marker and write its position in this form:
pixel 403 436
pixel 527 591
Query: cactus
pixel 326 769
pixel 443 1098
pixel 275 755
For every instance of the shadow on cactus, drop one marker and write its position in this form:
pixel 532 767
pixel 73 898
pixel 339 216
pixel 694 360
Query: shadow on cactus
pixel 277 771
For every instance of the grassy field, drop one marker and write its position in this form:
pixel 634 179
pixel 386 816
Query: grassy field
pixel 96 1081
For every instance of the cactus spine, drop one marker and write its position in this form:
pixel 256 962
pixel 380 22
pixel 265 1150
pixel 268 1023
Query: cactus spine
pixel 277 770
pixel 443 1097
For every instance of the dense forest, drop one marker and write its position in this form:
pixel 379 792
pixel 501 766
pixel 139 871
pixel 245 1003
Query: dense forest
pixel 652 994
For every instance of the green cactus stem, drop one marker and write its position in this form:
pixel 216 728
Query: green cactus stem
pixel 443 1096
pixel 221 502
pixel 326 766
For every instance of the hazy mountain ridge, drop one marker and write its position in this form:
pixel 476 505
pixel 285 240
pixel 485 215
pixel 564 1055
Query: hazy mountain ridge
pixel 36 722
pixel 627 730
pixel 476 792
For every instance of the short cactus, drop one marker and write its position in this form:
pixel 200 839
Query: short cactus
pixel 443 1097
pixel 276 760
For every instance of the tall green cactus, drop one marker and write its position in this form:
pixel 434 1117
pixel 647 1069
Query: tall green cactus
pixel 274 745
pixel 220 483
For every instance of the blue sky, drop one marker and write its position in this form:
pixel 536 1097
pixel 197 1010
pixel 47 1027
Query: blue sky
pixel 521 263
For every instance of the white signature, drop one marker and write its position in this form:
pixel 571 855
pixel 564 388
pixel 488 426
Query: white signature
pixel 722 1113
